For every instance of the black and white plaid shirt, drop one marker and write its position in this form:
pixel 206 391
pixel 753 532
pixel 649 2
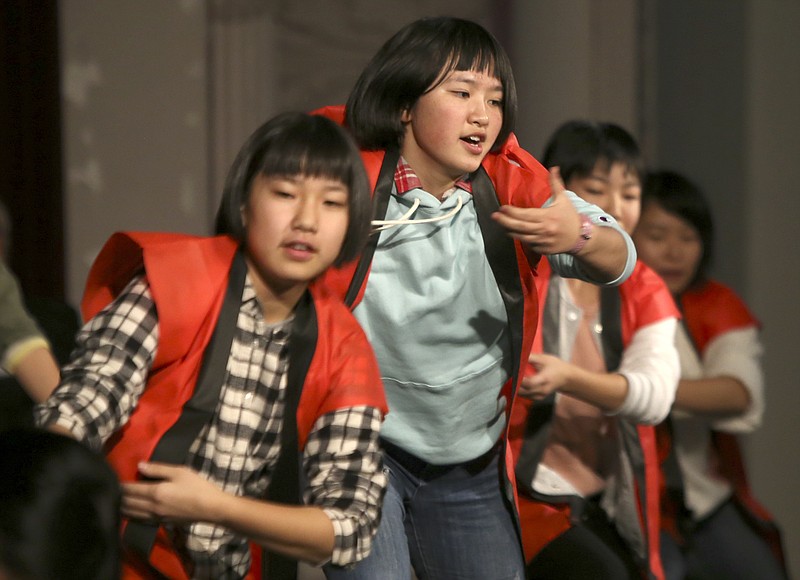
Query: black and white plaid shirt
pixel 237 451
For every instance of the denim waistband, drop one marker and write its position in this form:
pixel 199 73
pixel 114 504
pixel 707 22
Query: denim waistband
pixel 424 470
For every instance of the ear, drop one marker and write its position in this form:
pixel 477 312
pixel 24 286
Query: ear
pixel 405 115
pixel 243 215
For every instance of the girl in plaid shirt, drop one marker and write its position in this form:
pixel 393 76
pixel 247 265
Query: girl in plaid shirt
pixel 296 201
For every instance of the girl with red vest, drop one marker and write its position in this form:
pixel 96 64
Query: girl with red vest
pixel 446 291
pixel 713 527
pixel 216 376
pixel 604 371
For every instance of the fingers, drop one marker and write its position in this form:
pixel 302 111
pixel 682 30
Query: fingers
pixel 537 360
pixel 138 501
pixel 534 393
pixel 136 508
pixel 533 385
pixel 523 223
pixel 158 470
pixel 518 214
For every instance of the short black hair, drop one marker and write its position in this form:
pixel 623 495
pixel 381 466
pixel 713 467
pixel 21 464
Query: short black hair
pixel 59 508
pixel 412 62
pixel 578 145
pixel 677 194
pixel 299 144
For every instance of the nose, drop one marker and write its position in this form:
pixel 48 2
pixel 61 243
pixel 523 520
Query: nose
pixel 306 216
pixel 480 114
pixel 674 251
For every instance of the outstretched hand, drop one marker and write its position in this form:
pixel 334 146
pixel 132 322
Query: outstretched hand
pixel 550 230
pixel 178 494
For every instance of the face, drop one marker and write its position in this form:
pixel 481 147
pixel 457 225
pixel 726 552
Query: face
pixel 295 229
pixel 452 127
pixel 669 245
pixel 615 190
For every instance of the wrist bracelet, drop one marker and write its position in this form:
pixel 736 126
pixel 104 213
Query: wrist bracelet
pixel 587 227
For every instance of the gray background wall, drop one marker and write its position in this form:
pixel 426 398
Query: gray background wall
pixel 158 95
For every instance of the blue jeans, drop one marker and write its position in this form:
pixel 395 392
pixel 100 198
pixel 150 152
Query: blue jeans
pixel 721 546
pixel 447 523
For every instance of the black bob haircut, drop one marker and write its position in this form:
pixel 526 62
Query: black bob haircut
pixel 59 508
pixel 681 197
pixel 299 144
pixel 412 62
pixel 577 146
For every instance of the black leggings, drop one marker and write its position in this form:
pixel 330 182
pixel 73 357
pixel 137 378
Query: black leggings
pixel 591 550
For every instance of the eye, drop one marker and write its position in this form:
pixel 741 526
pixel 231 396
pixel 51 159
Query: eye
pixel 496 102
pixel 336 198
pixel 462 94
pixel 335 203
pixel 632 192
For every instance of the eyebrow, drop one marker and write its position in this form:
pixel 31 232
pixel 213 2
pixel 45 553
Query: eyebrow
pixel 464 76
pixel 341 187
pixel 602 178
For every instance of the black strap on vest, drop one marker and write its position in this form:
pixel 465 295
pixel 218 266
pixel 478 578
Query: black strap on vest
pixel 611 337
pixel 380 203
pixel 284 484
pixel 501 253
pixel 611 321
pixel 174 445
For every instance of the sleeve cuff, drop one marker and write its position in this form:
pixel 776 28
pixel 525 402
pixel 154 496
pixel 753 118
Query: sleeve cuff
pixel 20 349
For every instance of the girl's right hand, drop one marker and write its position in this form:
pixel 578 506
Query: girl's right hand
pixel 551 375
pixel 547 230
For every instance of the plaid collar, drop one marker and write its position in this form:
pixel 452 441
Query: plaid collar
pixel 405 179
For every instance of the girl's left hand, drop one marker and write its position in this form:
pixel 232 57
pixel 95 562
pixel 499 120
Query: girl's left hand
pixel 179 494
pixel 549 230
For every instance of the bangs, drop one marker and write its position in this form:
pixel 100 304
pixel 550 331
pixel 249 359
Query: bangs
pixel 475 54
pixel 478 59
pixel 314 150
pixel 608 158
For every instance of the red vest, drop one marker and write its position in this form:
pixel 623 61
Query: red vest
pixel 644 299
pixel 188 277
pixel 518 179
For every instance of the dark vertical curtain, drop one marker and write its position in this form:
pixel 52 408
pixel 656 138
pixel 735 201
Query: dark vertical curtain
pixel 30 143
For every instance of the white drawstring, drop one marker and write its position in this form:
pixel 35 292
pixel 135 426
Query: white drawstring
pixel 406 217
pixel 402 219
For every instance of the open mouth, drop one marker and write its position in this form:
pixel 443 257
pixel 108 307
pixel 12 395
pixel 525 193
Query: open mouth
pixel 300 249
